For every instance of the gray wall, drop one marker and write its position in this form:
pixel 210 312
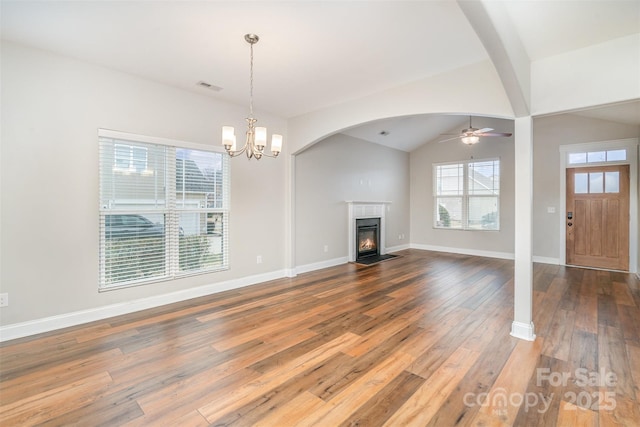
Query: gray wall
pixel 422 159
pixel 549 133
pixel 343 168
pixel 52 109
pixel 49 183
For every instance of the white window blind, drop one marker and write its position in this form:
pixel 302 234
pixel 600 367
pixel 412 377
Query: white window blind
pixel 164 210
pixel 467 195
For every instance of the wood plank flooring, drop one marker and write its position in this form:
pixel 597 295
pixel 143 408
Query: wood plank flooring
pixel 421 339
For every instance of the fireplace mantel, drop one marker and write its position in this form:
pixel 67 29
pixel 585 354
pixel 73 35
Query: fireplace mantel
pixel 365 209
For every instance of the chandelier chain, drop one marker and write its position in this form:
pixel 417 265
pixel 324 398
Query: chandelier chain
pixel 251 83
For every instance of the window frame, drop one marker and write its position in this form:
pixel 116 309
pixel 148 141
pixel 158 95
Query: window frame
pixel 464 194
pixel 170 209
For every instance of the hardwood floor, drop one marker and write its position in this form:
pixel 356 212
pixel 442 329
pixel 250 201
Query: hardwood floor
pixel 422 339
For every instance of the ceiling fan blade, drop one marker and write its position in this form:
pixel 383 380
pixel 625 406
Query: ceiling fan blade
pixel 483 130
pixel 449 139
pixel 494 134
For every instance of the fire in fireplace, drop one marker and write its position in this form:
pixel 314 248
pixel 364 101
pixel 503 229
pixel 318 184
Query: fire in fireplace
pixel 368 244
pixel 367 237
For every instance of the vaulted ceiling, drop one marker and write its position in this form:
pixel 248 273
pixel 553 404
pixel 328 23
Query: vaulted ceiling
pixel 311 54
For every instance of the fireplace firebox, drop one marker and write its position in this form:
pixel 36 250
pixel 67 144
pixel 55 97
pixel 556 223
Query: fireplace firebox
pixel 367 238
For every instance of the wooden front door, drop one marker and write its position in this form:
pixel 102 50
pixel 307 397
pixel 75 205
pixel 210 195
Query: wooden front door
pixel 598 217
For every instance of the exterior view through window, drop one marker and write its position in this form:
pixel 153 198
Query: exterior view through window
pixel 467 195
pixel 163 211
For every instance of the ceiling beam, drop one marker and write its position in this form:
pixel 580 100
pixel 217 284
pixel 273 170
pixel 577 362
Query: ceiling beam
pixel 496 31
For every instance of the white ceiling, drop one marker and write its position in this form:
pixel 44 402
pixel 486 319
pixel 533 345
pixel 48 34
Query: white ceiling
pixel 311 54
pixel 626 113
pixel 408 133
pixel 550 27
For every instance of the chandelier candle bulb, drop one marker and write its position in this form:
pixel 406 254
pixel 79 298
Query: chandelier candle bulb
pixel 227 136
pixel 233 143
pixel 261 137
pixel 276 143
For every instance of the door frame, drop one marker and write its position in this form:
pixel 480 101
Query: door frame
pixel 631 145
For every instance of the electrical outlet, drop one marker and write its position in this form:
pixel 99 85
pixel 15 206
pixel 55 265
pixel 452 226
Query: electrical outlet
pixel 4 300
pixel 326 248
pixel 259 259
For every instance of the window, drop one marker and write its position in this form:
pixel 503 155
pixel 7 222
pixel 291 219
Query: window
pixel 596 182
pixel 599 156
pixel 467 195
pixel 167 221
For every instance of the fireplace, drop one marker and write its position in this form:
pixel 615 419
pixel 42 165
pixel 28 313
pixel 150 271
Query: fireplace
pixel 366 214
pixel 367 238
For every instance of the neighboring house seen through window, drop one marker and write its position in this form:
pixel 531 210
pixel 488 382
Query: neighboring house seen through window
pixel 467 195
pixel 164 210
pixel 130 157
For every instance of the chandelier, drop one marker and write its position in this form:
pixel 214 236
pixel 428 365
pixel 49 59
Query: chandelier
pixel 256 141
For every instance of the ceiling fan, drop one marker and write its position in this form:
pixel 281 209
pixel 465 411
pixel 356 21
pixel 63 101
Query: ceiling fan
pixel 472 135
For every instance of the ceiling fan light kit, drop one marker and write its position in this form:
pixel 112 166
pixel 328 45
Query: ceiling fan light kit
pixel 470 140
pixel 471 135
pixel 256 140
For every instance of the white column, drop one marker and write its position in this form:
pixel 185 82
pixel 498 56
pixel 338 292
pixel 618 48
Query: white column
pixel 290 217
pixel 522 326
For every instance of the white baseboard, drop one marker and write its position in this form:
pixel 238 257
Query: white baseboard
pixel 397 248
pixel 47 324
pixel 464 251
pixel 290 272
pixel 338 261
pixel 524 331
pixel 320 265
pixel 546 260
